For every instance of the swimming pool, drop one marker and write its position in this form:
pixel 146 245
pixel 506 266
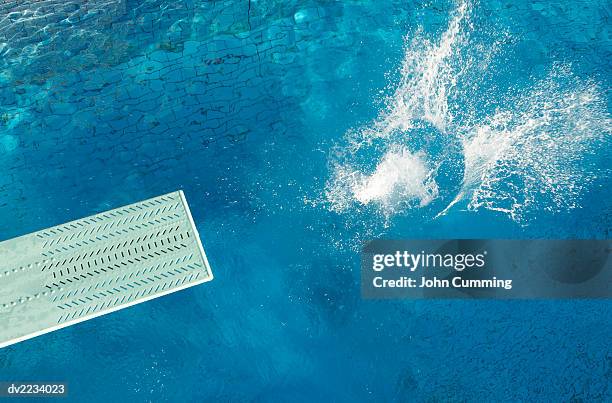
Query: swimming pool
pixel 296 131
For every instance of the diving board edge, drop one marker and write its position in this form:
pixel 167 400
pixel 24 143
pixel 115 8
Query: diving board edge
pixel 101 313
pixel 197 236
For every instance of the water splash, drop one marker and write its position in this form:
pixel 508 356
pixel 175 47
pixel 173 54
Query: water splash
pixel 535 156
pixel 402 174
pixel 428 151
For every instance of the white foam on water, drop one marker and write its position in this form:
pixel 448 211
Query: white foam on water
pixel 428 73
pixel 533 156
pixel 401 179
pixel 527 155
pixel 401 176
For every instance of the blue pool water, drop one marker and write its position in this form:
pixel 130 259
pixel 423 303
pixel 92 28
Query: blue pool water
pixel 298 130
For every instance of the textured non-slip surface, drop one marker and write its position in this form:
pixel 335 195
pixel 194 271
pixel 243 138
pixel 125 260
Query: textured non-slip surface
pixel 85 268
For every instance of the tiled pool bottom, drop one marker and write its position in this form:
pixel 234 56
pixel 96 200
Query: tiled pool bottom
pixel 241 104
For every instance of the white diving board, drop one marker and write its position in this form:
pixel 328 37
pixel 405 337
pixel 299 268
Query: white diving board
pixel 86 268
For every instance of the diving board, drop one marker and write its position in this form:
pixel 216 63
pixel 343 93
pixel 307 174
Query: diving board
pixel 86 268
